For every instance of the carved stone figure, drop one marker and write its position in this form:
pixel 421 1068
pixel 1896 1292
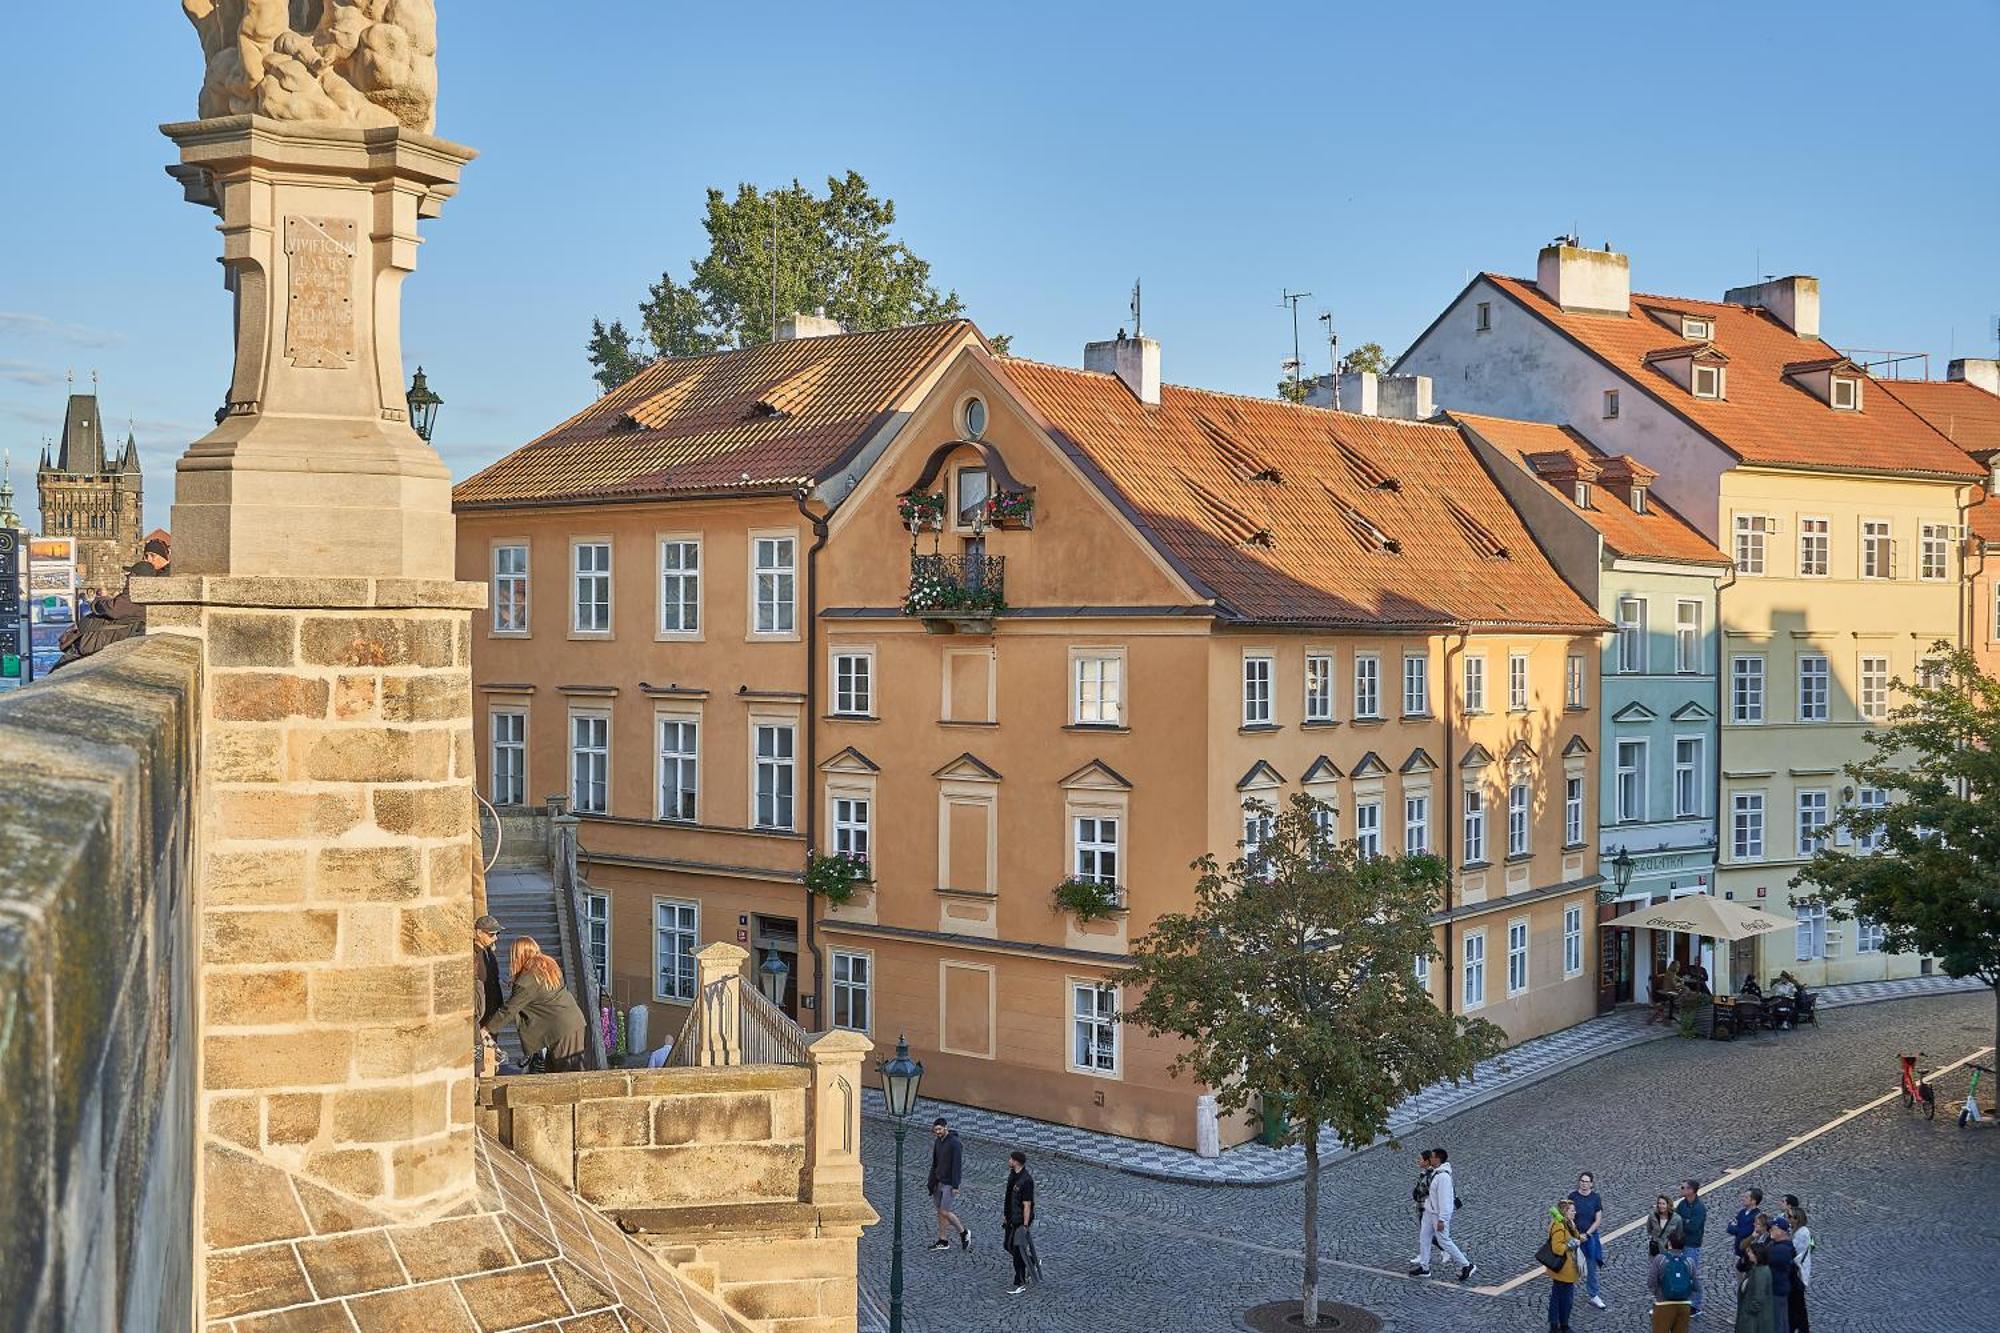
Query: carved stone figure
pixel 367 63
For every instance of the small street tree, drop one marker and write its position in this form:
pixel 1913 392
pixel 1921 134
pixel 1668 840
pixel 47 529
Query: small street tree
pixel 1925 864
pixel 1294 979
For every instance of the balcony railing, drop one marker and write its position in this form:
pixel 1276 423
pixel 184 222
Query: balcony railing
pixel 733 1024
pixel 957 591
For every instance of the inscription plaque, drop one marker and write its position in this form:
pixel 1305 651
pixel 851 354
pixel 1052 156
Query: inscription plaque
pixel 319 317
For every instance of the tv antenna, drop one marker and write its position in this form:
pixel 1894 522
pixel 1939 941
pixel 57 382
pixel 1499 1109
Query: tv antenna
pixel 1137 327
pixel 1292 299
pixel 1332 354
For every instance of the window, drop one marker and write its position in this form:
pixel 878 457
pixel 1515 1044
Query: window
pixel 1256 691
pixel 1610 404
pixel 1094 1010
pixel 1517 957
pixel 1326 821
pixel 854 684
pixel 1319 687
pixel 1687 776
pixel 1367 685
pixel 1934 552
pixel 510 590
pixel 1517 681
pixel 972 418
pixel 1475 684
pixel 1416 686
pixel 1572 940
pixel 1811 931
pixel 1368 828
pixel 1572 812
pixel 1697 328
pixel 1878 550
pixel 1631 635
pixel 974 488
pixel 853 984
pixel 1751 530
pixel 1687 637
pixel 1097 849
pixel 776 572
pixel 1475 827
pixel 1746 689
pixel 1098 699
pixel 1416 824
pixel 1474 971
pixel 1638 498
pixel 1482 316
pixel 1708 381
pixel 676 936
pixel 1257 820
pixel 1582 495
pixel 1517 819
pixel 851 826
pixel 1812 821
pixel 1630 783
pixel 589 762
pixel 1747 828
pixel 680 763
pixel 1423 973
pixel 1868 935
pixel 591 611
pixel 509 733
pixel 1815 547
pixel 1815 687
pixel 1871 798
pixel 597 939
pixel 1846 394
pixel 680 587
pixel 1574 682
pixel 1874 688
pixel 774 776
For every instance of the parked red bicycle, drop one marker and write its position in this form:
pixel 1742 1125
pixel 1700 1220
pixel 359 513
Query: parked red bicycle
pixel 1917 1087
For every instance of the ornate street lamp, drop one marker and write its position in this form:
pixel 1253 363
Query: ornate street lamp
pixel 901 1077
pixel 424 406
pixel 1621 877
pixel 771 977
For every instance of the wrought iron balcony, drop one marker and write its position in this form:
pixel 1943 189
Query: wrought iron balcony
pixel 957 593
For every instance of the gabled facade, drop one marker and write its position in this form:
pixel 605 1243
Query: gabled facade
pixel 87 494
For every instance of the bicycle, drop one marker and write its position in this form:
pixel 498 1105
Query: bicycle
pixel 1917 1087
pixel 1969 1112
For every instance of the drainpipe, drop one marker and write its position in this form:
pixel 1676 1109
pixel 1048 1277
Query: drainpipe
pixel 818 522
pixel 1968 620
pixel 1452 811
pixel 1721 714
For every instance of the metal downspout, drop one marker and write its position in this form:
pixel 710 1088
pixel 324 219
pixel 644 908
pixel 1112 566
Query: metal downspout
pixel 818 522
pixel 1453 807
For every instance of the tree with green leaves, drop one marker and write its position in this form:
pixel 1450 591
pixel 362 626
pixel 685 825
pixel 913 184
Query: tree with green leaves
pixel 785 251
pixel 1293 979
pixel 1369 357
pixel 1925 864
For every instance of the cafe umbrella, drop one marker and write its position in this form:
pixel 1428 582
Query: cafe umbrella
pixel 1705 915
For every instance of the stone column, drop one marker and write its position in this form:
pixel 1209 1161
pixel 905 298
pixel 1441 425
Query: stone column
pixel 721 1009
pixel 833 1117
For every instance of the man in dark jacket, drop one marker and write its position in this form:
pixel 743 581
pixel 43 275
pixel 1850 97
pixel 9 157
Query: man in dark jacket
pixel 947 1170
pixel 1693 1214
pixel 1783 1258
pixel 1744 1224
pixel 486 995
pixel 109 620
pixel 1018 1214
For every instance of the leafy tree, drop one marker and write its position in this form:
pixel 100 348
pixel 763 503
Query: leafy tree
pixel 1294 977
pixel 1368 356
pixel 1932 878
pixel 1294 391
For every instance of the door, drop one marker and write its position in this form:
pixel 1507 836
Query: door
pixel 1623 991
pixel 777 936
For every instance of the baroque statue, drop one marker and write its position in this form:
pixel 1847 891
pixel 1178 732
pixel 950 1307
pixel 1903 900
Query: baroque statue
pixel 357 63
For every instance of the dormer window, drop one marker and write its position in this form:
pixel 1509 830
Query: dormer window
pixel 1708 381
pixel 1697 329
pixel 1638 499
pixel 1583 495
pixel 1846 394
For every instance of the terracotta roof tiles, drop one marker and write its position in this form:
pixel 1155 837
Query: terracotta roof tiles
pixel 1969 417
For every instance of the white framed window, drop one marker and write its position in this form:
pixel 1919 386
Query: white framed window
pixel 1319 687
pixel 1473 973
pixel 590 762
pixel 1367 685
pixel 1629 784
pixel 508 732
pixel 1878 549
pixel 1517 956
pixel 1416 686
pixel 1869 936
pixel 975 487
pixel 1874 688
pixel 597 938
pixel 510 590
pixel 1572 812
pixel 1687 637
pixel 1573 940
pixel 1746 689
pixel 1871 798
pixel 1482 317
pixel 1751 532
pixel 1747 825
pixel 1697 329
pixel 775 762
pixel 1517 819
pixel 590 604
pixel 1416 824
pixel 1576 684
pixel 1475 683
pixel 1094 1027
pixel 1631 635
pixel 854 683
pixel 1257 669
pixel 1610 404
pixel 1517 682
pixel 1097 689
pixel 1846 394
pixel 1934 552
pixel 1475 827
pixel 1810 934
pixel 1708 381
pixel 1815 687
pixel 1422 971
pixel 1815 547
pixel 774 585
pixel 680 585
pixel 1812 821
pixel 1257 829
pixel 1368 827
pixel 1096 849
pixel 1687 776
pixel 676 938
pixel 1583 489
pixel 852 826
pixel 680 768
pixel 1326 821
pixel 853 989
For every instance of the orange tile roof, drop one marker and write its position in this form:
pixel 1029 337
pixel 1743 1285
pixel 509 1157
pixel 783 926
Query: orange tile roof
pixel 1658 534
pixel 1298 515
pixel 780 415
pixel 1970 418
pixel 1765 417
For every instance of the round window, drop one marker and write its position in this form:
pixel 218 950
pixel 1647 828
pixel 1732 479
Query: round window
pixel 975 418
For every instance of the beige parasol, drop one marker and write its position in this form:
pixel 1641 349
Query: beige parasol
pixel 1703 914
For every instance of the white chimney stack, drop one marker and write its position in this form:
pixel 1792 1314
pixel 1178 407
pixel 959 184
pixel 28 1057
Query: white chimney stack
pixel 1793 302
pixel 793 327
pixel 1979 371
pixel 1595 282
pixel 1133 360
pixel 1367 394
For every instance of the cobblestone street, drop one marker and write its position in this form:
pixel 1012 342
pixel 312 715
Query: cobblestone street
pixel 1899 1206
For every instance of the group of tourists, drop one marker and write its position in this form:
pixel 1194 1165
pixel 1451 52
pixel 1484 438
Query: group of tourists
pixel 541 1009
pixel 1017 1204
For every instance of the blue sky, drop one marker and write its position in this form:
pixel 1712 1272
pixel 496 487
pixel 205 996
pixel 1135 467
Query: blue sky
pixel 1042 156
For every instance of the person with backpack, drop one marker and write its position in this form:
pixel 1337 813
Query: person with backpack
pixel 1018 1216
pixel 1439 1204
pixel 1564 1242
pixel 1672 1284
pixel 1693 1214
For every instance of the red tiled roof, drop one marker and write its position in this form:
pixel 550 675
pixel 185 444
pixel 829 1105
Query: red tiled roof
pixel 783 414
pixel 1658 534
pixel 1765 417
pixel 1969 417
pixel 1297 515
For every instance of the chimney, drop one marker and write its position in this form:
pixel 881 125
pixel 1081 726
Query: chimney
pixel 1979 371
pixel 1597 282
pixel 1793 302
pixel 793 327
pixel 1360 392
pixel 1365 393
pixel 1134 360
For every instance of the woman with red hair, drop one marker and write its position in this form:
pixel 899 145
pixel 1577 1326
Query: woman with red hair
pixel 541 1010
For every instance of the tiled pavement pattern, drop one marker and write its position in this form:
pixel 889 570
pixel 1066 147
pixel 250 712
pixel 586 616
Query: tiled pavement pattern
pixel 1252 1164
pixel 526 1255
pixel 1903 1239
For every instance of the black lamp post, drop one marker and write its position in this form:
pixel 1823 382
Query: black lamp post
pixel 771 977
pixel 424 406
pixel 1621 873
pixel 900 1079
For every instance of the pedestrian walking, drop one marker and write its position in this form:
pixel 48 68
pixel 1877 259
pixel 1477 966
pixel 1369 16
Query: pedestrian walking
pixel 1564 1240
pixel 1589 1213
pixel 541 1010
pixel 1661 1225
pixel 947 1173
pixel 1419 1194
pixel 1753 1295
pixel 1693 1214
pixel 1440 1202
pixel 1783 1263
pixel 1018 1216
pixel 1802 1244
pixel 1671 1280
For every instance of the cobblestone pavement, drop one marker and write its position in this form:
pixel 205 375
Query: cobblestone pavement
pixel 1901 1207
